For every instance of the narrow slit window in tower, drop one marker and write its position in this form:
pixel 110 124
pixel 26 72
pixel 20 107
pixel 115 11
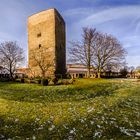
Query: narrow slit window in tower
pixel 39 46
pixel 39 35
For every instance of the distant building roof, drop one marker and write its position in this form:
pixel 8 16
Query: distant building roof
pixel 22 70
pixel 77 68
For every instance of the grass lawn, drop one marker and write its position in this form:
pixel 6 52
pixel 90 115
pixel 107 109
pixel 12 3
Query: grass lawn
pixel 89 109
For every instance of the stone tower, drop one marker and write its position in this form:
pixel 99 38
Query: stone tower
pixel 47 29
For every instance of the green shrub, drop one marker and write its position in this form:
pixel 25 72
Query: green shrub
pixel 71 81
pixel 26 80
pixel 44 82
pixel 4 79
pixel 22 80
pixel 67 81
pixel 39 81
pixel 32 81
pixel 55 80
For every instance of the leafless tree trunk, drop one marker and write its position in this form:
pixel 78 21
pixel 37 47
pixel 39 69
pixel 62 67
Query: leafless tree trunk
pixel 107 51
pixel 82 52
pixel 32 73
pixel 97 50
pixel 11 57
pixel 131 71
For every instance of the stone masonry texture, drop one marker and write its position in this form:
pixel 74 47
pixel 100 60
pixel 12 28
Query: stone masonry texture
pixel 47 29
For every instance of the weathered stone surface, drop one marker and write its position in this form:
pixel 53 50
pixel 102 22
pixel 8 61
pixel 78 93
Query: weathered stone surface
pixel 47 29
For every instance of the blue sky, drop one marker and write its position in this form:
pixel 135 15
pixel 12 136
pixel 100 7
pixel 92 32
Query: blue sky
pixel 120 18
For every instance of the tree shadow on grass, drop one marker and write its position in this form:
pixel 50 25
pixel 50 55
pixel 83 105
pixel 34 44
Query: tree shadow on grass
pixel 96 125
pixel 39 94
pixel 10 128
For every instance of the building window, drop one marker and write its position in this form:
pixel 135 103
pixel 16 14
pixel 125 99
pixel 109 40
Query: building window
pixel 39 46
pixel 39 35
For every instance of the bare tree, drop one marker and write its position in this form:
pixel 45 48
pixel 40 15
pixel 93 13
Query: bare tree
pixel 42 58
pixel 31 72
pixel 124 72
pixel 82 52
pixel 107 52
pixel 97 50
pixel 131 71
pixel 11 56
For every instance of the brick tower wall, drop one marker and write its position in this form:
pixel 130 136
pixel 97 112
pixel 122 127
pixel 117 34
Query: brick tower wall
pixel 47 29
pixel 60 51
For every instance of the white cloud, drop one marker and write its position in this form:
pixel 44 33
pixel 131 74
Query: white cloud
pixel 131 41
pixel 123 22
pixel 110 14
pixel 137 30
pixel 14 15
pixel 79 11
pixel 87 17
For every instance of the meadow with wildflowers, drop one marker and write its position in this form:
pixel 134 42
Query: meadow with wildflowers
pixel 88 109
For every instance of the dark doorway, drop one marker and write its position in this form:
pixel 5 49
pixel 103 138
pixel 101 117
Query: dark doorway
pixel 81 75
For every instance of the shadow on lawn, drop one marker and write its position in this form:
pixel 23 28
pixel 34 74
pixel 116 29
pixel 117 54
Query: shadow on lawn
pixel 12 128
pixel 25 93
pixel 103 125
